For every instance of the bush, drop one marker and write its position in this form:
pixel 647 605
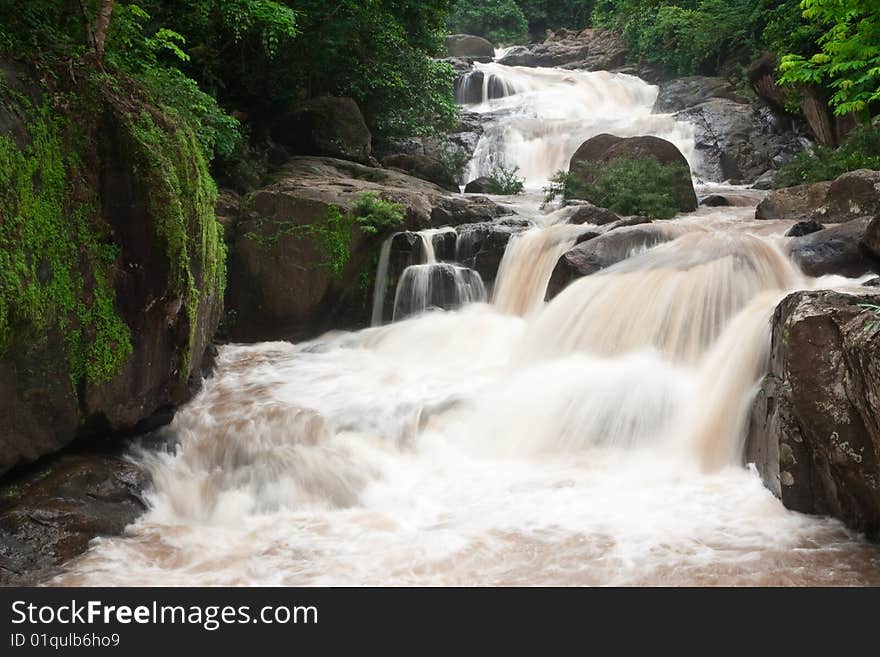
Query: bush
pixel 860 150
pixel 505 182
pixel 630 185
pixel 374 214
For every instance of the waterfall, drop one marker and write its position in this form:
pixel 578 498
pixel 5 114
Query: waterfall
pixel 592 440
pixel 554 111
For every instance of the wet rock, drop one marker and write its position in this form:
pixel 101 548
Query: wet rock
pixel 327 126
pixel 443 286
pixel 835 250
pixel 739 141
pixel 603 250
pixel 715 201
pixel 588 50
pixel 765 181
pixel 481 247
pixel 814 434
pixel 482 185
pixel 804 228
pixel 49 513
pixel 477 87
pixel 851 196
pixel 681 93
pixel 467 45
pixel 587 213
pixel 281 278
pixel 607 148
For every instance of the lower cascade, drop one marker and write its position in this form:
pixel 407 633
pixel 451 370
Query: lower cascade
pixel 482 435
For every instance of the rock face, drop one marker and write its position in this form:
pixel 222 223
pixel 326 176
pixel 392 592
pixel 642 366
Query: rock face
pixel 424 167
pixel 607 148
pixel 814 433
pixel 481 246
pixel 740 141
pixel 681 93
pixel 329 126
pixel 851 196
pixel 298 268
pixel 603 250
pixel 804 228
pixel 120 277
pixel 469 46
pixel 836 250
pixel 49 515
pixel 588 50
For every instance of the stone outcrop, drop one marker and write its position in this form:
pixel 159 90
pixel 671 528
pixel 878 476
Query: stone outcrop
pixel 607 148
pixel 587 50
pixel 327 126
pixel 470 47
pixel 814 433
pixel 298 266
pixel 851 196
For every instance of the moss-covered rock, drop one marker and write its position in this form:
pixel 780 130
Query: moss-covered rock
pixel 112 265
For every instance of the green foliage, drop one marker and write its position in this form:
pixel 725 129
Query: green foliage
pixel 554 14
pixel 875 309
pixel 375 215
pixel 630 185
pixel 848 60
pixel 859 150
pixel 500 21
pixel 454 162
pixel 505 181
pixel 55 256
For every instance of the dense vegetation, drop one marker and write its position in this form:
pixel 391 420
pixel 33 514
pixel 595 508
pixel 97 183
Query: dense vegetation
pixel 630 185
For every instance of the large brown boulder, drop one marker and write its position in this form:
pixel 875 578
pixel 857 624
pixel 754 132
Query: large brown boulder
pixel 607 148
pixel 298 268
pixel 814 433
pixel 853 195
pixel 470 47
pixel 424 167
pixel 328 126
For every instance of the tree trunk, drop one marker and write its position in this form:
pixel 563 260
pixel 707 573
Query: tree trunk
pixel 101 27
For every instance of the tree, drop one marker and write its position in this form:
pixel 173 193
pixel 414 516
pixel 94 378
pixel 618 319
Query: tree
pixel 500 21
pixel 848 61
pixel 96 31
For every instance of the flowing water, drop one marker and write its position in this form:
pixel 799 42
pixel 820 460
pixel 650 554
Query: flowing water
pixel 594 440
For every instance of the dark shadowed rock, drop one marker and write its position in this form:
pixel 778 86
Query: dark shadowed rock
pixel 481 247
pixel 607 148
pixel 740 141
pixel 49 513
pixel 715 201
pixel 328 126
pixel 814 433
pixel 680 93
pixel 836 250
pixel 424 167
pixel 443 286
pixel 588 50
pixel 804 228
pixel 475 87
pixel 604 250
pixel 469 46
pixel 482 185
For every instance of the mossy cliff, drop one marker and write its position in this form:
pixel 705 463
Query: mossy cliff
pixel 112 266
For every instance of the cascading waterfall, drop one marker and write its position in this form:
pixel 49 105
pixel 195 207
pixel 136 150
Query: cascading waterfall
pixel 554 111
pixel 592 440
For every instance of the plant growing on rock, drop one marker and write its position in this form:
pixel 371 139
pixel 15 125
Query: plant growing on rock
pixel 374 214
pixel 505 181
pixel 859 150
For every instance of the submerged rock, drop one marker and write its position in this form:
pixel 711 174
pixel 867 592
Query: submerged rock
pixel 814 433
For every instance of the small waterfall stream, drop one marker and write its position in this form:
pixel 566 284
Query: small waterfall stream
pixel 592 440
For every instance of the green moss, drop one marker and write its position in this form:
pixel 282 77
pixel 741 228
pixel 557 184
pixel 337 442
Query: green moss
pixel 53 256
pixel 181 197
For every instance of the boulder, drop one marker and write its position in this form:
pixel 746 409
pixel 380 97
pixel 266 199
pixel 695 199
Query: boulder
pixel 715 201
pixel 424 167
pixel 739 141
pixel 681 93
pixel 120 270
pixel 587 50
pixel 328 126
pixel 481 246
pixel 607 148
pixel 49 514
pixel 587 213
pixel 442 286
pixel 598 251
pixel 835 250
pixel 802 228
pixel 482 185
pixel 814 434
pixel 765 181
pixel 871 239
pixel 851 196
pixel 469 46
pixel 286 277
